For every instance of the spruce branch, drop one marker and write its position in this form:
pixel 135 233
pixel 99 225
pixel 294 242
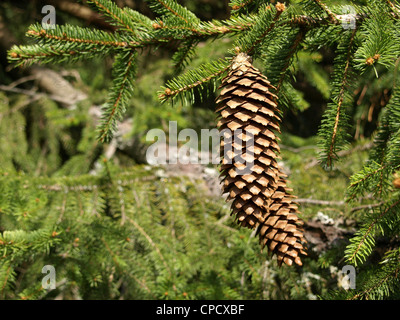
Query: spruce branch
pixel 393 125
pixel 292 50
pixel 380 286
pixel 152 243
pixel 198 78
pixel 394 8
pixel 393 156
pixel 140 21
pixel 370 178
pixel 332 17
pixel 184 54
pixel 384 159
pixel 171 7
pixel 340 102
pixel 382 137
pixel 124 73
pixel 77 43
pixel 267 16
pixel 27 55
pixel 303 20
pixel 117 16
pixel 273 34
pixel 244 6
pixel 143 36
pixel 81 37
pixel 334 123
pixel 239 4
pixel 361 244
pixel 171 31
pixel 379 46
pixel 375 283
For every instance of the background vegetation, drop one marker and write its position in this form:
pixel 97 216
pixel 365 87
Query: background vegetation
pixel 116 227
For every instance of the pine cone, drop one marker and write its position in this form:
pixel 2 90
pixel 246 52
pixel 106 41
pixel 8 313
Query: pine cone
pixel 280 230
pixel 249 151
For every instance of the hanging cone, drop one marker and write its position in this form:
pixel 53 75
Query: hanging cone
pixel 250 173
pixel 248 122
pixel 280 230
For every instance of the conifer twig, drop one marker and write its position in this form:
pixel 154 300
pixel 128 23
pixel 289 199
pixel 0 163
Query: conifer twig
pixel 370 229
pixel 366 177
pixel 303 20
pixel 331 15
pixel 293 47
pixel 163 4
pixel 5 280
pixel 148 238
pixel 330 155
pixel 65 38
pixel 376 285
pixel 114 16
pixel 394 9
pixel 280 7
pixel 116 101
pixel 170 93
pixel 199 76
pixel 243 4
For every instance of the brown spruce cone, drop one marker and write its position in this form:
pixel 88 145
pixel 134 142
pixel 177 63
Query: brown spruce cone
pixel 251 175
pixel 280 230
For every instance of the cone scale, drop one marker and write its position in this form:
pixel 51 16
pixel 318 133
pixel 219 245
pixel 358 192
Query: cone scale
pixel 251 177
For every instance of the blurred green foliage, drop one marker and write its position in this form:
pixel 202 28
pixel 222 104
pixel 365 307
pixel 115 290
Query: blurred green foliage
pixel 116 229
